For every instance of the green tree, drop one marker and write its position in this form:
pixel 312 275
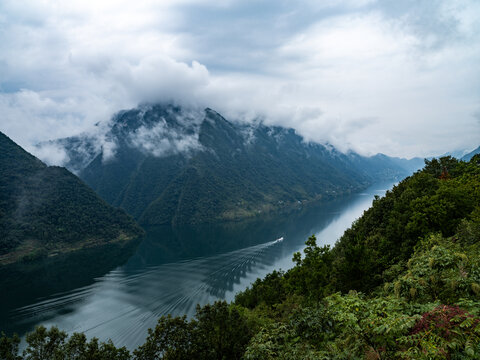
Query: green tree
pixel 172 339
pixel 222 332
pixel 43 344
pixel 9 347
pixel 311 277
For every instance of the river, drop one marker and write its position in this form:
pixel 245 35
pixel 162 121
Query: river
pixel 173 270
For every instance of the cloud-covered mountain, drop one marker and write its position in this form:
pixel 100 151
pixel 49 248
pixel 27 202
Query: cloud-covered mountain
pixel 46 210
pixel 166 164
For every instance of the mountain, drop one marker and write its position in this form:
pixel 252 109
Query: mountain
pixel 471 154
pixel 464 155
pixel 48 211
pixel 166 164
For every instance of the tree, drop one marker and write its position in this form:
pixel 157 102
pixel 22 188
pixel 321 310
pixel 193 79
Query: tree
pixel 9 347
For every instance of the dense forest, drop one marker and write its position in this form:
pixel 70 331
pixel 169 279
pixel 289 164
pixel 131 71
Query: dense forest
pixel 46 210
pixel 402 283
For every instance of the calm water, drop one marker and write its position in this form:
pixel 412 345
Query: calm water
pixel 173 270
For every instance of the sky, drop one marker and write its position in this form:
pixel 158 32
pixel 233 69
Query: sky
pixel 396 77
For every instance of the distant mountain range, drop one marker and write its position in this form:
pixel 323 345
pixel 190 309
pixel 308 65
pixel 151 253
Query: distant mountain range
pixel 468 156
pixel 47 211
pixel 464 155
pixel 170 165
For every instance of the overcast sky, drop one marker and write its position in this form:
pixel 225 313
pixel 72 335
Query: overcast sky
pixel 398 77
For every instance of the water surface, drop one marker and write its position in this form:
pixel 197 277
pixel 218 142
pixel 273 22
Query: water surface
pixel 173 270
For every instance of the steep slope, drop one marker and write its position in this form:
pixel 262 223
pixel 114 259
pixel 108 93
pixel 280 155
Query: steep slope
pixel 48 211
pixel 414 255
pixel 172 165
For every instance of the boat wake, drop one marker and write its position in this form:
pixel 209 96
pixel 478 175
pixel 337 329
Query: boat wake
pixel 125 305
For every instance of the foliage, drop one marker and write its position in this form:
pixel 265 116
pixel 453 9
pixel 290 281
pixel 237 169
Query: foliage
pixel 388 232
pixel 53 344
pixel 416 248
pixel 441 270
pixel 278 342
pixel 443 333
pixel 366 326
pixel 9 347
pixel 268 291
pixel 172 338
pixel 219 331
pixel 311 277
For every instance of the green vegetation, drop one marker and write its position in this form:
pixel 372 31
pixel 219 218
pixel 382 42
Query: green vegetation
pixel 54 344
pixel 47 211
pixel 402 283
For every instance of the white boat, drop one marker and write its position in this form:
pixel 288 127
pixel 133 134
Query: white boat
pixel 280 239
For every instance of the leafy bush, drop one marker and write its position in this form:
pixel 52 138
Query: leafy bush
pixel 443 333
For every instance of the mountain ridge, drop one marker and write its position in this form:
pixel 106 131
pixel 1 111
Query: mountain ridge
pixel 174 165
pixel 471 154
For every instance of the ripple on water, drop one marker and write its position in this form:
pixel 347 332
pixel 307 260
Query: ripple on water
pixel 125 305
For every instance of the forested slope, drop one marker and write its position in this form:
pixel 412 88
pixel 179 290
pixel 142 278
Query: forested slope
pixel 47 210
pixel 402 283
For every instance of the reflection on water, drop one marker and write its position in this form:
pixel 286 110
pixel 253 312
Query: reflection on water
pixel 173 270
pixel 125 305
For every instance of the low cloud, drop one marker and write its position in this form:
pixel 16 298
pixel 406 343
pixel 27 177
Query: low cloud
pixel 163 139
pixel 400 78
pixel 108 150
pixel 52 154
pixel 34 117
pixel 159 141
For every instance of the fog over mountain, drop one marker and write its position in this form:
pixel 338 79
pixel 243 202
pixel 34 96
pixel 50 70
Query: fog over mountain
pixel 169 164
pixel 400 78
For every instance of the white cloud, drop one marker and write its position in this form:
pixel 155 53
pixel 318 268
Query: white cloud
pixel 37 116
pixel 395 77
pixel 164 139
pixel 161 78
pixel 160 141
pixel 52 154
pixel 108 150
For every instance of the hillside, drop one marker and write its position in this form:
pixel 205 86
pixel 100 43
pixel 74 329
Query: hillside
pixel 165 164
pixel 47 211
pixel 402 283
